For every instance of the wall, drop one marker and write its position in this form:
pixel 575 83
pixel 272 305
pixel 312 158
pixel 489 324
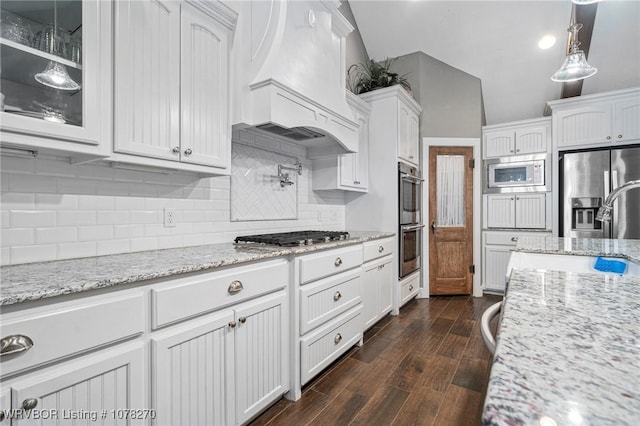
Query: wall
pixel 451 99
pixel 52 210
pixel 356 52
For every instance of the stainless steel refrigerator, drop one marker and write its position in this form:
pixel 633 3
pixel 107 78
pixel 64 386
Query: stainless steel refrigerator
pixel 586 178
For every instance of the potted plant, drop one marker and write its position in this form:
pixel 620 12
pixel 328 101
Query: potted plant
pixel 362 78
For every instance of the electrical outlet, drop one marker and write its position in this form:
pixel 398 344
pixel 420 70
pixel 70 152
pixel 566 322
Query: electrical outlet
pixel 169 217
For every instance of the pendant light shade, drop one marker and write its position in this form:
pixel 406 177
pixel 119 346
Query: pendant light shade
pixel 575 66
pixel 56 76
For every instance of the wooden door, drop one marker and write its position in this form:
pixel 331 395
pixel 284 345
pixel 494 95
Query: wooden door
pixel 451 220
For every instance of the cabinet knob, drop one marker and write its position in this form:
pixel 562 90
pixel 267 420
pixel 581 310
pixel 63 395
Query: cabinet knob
pixel 411 157
pixel 29 403
pixel 337 296
pixel 619 136
pixel 235 287
pixel 15 344
pixel 242 320
pixel 176 150
pixel 380 249
pixel 608 138
pixel 514 239
pixel 232 324
pixel 188 151
pixel 338 262
pixel 511 198
pixel 518 150
pixel 410 287
pixel 510 150
pixel 517 198
pixel 337 339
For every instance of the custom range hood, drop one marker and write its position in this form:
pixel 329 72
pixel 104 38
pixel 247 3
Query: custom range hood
pixel 289 63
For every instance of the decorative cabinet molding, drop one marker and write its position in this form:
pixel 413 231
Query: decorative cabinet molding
pixel 87 111
pixel 516 138
pixel 526 210
pixel 602 119
pixel 347 172
pixel 172 85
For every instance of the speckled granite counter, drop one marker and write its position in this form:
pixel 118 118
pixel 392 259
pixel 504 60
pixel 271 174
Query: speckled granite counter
pixel 33 281
pixel 568 351
pixel 627 249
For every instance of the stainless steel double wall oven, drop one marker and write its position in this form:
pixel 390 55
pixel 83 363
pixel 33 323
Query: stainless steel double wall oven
pixel 410 215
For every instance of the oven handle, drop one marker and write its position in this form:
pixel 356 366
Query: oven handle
pixel 407 176
pixel 405 228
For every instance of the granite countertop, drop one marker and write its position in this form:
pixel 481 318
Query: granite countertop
pixel 627 249
pixel 34 281
pixel 568 350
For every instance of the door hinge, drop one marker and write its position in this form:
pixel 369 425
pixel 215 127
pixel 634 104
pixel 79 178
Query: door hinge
pixel 472 269
pixel 472 163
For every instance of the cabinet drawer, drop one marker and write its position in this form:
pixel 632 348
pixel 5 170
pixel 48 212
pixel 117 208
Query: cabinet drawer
pixel 409 288
pixel 510 238
pixel 325 345
pixel 324 299
pixel 323 264
pixel 68 328
pixel 187 297
pixel 378 248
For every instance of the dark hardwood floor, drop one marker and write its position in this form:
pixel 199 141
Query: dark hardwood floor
pixel 426 366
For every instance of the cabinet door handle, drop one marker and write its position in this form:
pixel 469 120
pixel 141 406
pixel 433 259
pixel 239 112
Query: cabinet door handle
pixel 242 320
pixel 410 287
pixel 337 296
pixel 608 138
pixel 619 136
pixel 176 150
pixel 15 344
pixel 337 339
pixel 232 324
pixel 514 239
pixel 411 157
pixel 511 198
pixel 338 262
pixel 29 403
pixel 235 287
pixel 380 249
pixel 188 151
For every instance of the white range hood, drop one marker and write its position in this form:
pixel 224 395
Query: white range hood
pixel 289 62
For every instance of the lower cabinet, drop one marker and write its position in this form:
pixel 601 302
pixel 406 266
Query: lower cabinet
pixel 409 288
pixel 377 287
pixel 106 387
pixel 225 368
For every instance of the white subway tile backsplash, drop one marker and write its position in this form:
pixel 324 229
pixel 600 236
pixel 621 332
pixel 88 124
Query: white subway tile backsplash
pixel 112 247
pixel 53 167
pixel 76 186
pixel 128 231
pixel 16 237
pixel 32 218
pixel 65 234
pixel 76 217
pixel 5 256
pixel 56 201
pixel 96 202
pixel 112 188
pixel 32 183
pixel 33 253
pixel 5 221
pixel 95 233
pixel 18 201
pixel 75 250
pixel 141 244
pixel 170 241
pixel 95 171
pixel 145 216
pixel 113 217
pixel 129 203
pixel 17 165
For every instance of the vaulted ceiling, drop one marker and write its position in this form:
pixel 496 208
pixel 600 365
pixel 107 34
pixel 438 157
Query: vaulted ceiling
pixel 496 41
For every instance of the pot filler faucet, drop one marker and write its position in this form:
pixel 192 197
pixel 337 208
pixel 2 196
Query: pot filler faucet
pixel 604 213
pixel 285 179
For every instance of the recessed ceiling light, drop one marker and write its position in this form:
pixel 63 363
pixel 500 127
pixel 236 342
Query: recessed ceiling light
pixel 547 41
pixel 585 1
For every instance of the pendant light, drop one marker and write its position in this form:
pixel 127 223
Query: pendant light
pixel 575 66
pixel 55 74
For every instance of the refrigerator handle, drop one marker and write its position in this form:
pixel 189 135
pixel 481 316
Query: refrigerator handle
pixel 614 219
pixel 606 226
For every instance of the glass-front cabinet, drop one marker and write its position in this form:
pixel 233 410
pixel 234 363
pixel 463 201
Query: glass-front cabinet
pixel 55 76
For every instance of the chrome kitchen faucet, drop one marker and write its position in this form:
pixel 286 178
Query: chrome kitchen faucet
pixel 604 212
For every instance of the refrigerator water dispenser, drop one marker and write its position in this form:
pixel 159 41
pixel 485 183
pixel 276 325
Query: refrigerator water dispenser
pixel 584 210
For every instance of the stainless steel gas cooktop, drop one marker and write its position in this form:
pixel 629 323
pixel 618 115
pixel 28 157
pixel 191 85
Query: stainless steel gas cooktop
pixel 298 238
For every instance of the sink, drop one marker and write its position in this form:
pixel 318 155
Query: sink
pixel 563 262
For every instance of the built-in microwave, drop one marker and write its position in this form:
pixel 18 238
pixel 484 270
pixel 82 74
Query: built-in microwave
pixel 524 173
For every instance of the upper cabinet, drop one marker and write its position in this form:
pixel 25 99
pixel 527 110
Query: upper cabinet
pixel 408 132
pixel 347 172
pixel 516 138
pixel 55 64
pixel 172 85
pixel 597 120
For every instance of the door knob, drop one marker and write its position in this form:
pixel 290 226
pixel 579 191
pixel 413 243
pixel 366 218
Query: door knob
pixel 433 227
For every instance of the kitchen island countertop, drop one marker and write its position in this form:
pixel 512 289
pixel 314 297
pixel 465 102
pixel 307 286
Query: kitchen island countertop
pixel 626 249
pixel 35 281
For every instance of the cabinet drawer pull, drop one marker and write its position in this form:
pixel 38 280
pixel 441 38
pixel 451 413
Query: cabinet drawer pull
pixel 176 150
pixel 608 138
pixel 242 320
pixel 29 403
pixel 338 262
pixel 380 249
pixel 235 287
pixel 337 339
pixel 410 287
pixel 337 296
pixel 15 344
pixel 514 239
pixel 232 324
pixel 619 136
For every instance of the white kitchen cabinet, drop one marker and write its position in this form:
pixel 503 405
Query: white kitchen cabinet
pixel 377 283
pixel 516 138
pixel 408 132
pixel 109 384
pixel 347 172
pixel 526 210
pixel 172 85
pixel 5 404
pixel 41 118
pixel 603 119
pixel 409 288
pixel 496 251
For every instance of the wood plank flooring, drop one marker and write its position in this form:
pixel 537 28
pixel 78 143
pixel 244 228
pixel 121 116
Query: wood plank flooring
pixel 426 366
